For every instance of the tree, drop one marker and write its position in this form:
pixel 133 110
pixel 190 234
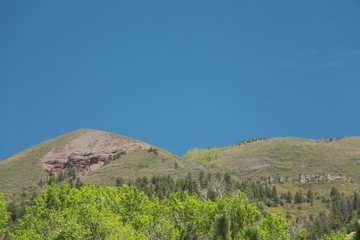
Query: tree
pixel 274 227
pixel 202 179
pixel 274 195
pixel 241 212
pixel 310 197
pixel 217 185
pixel 252 233
pixel 119 181
pixel 211 195
pixel 4 217
pixel 357 229
pixel 51 178
pixel 91 212
pixel 335 236
pixel 60 176
pixel 288 197
pixel 222 227
pixel 298 198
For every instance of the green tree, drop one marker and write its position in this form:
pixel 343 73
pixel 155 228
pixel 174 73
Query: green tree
pixel 91 212
pixel 4 217
pixel 51 178
pixel 274 227
pixel 191 216
pixel 119 181
pixel 288 197
pixel 357 229
pixel 241 212
pixel 222 227
pixel 274 195
pixel 310 197
pixel 252 233
pixel 335 236
pixel 298 198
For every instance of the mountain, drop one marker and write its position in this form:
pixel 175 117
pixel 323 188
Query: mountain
pixel 97 156
pixel 102 157
pixel 287 157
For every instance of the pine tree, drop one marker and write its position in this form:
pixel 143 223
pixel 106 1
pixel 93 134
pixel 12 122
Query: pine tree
pixel 298 198
pixel 51 177
pixel 119 181
pixel 274 195
pixel 222 227
pixel 289 197
pixel 310 197
pixel 357 229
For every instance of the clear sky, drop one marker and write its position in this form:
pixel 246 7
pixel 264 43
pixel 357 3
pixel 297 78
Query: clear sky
pixel 179 74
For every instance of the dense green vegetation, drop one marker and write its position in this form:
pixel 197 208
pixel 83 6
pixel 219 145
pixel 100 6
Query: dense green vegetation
pixel 98 212
pixel 196 207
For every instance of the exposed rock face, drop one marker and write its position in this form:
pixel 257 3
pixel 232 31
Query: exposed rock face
pixel 84 161
pixel 90 151
pixel 302 178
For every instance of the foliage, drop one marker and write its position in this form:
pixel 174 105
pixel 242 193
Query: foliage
pixel 203 156
pixel 4 216
pixel 274 227
pixel 222 227
pixel 196 207
pixel 99 212
pixel 335 236
pixel 153 150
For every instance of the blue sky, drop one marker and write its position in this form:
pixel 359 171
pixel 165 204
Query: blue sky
pixel 179 74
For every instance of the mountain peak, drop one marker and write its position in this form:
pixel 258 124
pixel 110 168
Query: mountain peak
pixel 89 150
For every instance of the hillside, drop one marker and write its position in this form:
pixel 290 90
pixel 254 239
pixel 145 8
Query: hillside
pixel 97 156
pixel 285 157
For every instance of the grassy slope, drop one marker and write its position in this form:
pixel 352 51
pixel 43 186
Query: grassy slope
pixel 21 172
pixel 141 163
pixel 288 156
pixel 319 189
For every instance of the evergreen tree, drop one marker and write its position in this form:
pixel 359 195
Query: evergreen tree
pixel 119 182
pixel 211 195
pixel 356 201
pixel 60 176
pixel 222 227
pixel 288 197
pixel 51 178
pixel 227 178
pixel 357 229
pixel 298 198
pixel 268 192
pixel 274 195
pixel 78 183
pixel 310 197
pixel 252 233
pixel 202 179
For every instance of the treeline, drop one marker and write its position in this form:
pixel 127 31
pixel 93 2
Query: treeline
pixel 99 212
pixel 245 141
pixel 341 211
pixel 63 176
pixel 341 214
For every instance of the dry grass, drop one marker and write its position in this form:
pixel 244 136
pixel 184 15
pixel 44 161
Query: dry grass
pixel 291 156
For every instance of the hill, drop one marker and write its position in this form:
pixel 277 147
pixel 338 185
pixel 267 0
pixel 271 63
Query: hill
pixel 97 156
pixel 286 157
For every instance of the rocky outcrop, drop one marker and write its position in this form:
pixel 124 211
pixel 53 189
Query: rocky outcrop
pixel 89 151
pixel 85 161
pixel 302 178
